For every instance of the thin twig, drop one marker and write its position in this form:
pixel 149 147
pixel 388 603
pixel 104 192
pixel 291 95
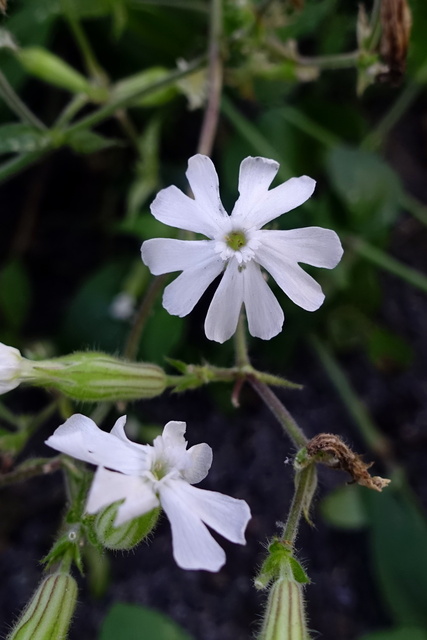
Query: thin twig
pixel 210 120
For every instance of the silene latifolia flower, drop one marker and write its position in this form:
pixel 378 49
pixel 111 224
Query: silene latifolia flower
pixel 238 247
pixel 145 477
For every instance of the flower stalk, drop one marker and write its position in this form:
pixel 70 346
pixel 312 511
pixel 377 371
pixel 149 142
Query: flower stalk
pixel 288 423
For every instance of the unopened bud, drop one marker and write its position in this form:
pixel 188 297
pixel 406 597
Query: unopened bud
pixel 48 67
pixel 139 83
pixel 284 618
pixel 96 377
pixel 49 612
pixel 127 535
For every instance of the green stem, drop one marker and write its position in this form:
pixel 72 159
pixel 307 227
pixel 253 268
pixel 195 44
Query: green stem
pixel 93 67
pixel 134 338
pixel 374 139
pixel 16 105
pixel 386 262
pixel 31 469
pixel 414 207
pixel 251 134
pixel 282 414
pixel 375 26
pixel 368 430
pixel 309 127
pixel 334 61
pixel 16 164
pixel 210 120
pixel 302 495
pixel 109 109
pixel 240 343
pixel 76 103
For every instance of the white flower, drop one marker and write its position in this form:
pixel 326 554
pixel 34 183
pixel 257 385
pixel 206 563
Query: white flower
pixel 239 247
pixel 11 363
pixel 146 476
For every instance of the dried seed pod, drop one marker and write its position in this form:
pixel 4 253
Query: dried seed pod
pixel 396 23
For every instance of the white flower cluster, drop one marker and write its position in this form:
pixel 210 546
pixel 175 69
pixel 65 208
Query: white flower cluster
pixel 144 477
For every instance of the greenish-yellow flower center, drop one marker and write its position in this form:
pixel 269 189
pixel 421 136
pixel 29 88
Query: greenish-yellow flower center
pixel 235 240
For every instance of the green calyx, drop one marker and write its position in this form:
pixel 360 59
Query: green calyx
pixel 125 536
pixel 235 240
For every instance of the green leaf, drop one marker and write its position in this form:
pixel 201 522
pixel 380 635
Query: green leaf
pixel 298 572
pixel 387 350
pixel 89 321
pixel 343 508
pixel 133 622
pixel 90 142
pixel 162 334
pixel 15 294
pixel 367 186
pixel 398 535
pixel 22 138
pixel 399 633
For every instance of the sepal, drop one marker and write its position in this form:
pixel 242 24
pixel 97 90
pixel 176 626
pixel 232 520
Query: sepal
pixel 125 536
pixel 49 612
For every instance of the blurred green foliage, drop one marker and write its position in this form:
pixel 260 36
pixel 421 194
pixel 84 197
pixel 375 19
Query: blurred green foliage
pixel 125 621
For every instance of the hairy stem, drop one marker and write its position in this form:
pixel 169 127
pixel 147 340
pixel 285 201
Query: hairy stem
pixel 282 414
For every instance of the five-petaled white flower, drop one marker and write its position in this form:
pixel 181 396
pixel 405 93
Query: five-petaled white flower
pixel 239 247
pixel 145 476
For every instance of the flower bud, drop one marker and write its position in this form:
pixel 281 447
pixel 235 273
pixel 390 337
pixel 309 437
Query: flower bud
pixel 284 618
pixel 48 67
pixel 49 612
pixel 134 85
pixel 127 535
pixel 96 377
pixel 11 364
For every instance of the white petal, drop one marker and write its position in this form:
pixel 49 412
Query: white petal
pixel 203 179
pixel 173 434
pixel 311 245
pixel 109 486
pixel 172 207
pixel 140 499
pixel 255 177
pixel 264 314
pixel 193 545
pixel 225 515
pixel 11 366
pixel 81 438
pixel 119 432
pixel 223 313
pixel 199 461
pixel 165 255
pixel 180 297
pixel 301 288
pixel 281 199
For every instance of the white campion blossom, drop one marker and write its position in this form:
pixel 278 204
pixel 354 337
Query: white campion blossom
pixel 145 476
pixel 11 366
pixel 238 247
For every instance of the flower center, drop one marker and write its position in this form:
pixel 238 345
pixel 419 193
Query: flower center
pixel 235 240
pixel 240 244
